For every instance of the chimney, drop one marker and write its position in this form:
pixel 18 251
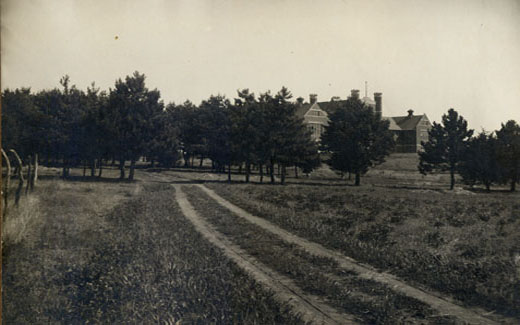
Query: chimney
pixel 354 93
pixel 313 98
pixel 378 98
pixel 410 112
pixel 299 101
pixel 335 99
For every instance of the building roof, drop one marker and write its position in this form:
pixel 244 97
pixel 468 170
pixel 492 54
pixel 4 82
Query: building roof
pixel 369 101
pixel 393 125
pixel 408 122
pixel 331 106
pixel 300 111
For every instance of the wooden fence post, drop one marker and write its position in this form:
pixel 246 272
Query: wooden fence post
pixel 20 176
pixel 29 176
pixel 7 182
pixel 35 172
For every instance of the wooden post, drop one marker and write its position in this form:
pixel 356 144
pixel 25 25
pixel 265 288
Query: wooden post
pixel 29 176
pixel 7 182
pixel 20 177
pixel 35 173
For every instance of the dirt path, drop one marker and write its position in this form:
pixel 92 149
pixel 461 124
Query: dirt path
pixel 310 308
pixel 444 306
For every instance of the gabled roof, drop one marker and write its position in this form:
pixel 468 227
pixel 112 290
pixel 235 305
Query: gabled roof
pixel 396 122
pixel 300 111
pixel 393 125
pixel 331 106
pixel 408 122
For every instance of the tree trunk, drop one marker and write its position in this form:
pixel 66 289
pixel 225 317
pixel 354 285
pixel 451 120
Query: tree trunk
pixel 7 182
pixel 452 179
pixel 152 163
pixel 282 179
pixel 488 187
pixel 92 167
pixel 248 171
pixel 229 173
pixel 261 167
pixel 240 168
pixel 358 179
pixel 295 171
pixel 201 161
pixel 100 164
pixel 271 171
pixel 513 184
pixel 122 169
pixel 84 169
pixel 132 169
pixel 64 171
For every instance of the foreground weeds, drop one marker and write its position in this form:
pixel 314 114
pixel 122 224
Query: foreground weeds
pixel 136 262
pixel 462 244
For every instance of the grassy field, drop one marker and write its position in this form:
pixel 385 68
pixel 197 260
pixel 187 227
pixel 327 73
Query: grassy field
pixel 110 252
pixel 460 243
pixel 369 301
pixel 87 251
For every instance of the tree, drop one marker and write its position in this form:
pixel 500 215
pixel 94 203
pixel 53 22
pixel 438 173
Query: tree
pixel 131 109
pixel 216 131
pixel 292 142
pixel 164 146
pixel 20 122
pixel 446 145
pixel 508 143
pixel 479 163
pixel 186 117
pixel 69 112
pixel 244 117
pixel 356 138
pixel 93 135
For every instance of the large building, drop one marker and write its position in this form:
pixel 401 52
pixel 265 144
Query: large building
pixel 409 129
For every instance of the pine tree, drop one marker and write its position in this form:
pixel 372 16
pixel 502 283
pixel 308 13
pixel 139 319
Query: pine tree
pixel 446 145
pixel 479 163
pixel 508 142
pixel 356 139
pixel 132 108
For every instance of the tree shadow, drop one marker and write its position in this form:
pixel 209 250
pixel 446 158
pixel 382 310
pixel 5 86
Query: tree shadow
pixel 86 179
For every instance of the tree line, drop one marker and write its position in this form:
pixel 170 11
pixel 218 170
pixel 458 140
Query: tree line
pixel 69 127
pixel 486 158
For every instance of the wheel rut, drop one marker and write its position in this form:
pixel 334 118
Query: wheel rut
pixel 311 309
pixel 441 304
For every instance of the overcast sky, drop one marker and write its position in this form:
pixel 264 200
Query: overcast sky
pixel 424 55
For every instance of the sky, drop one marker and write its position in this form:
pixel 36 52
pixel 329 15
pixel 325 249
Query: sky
pixel 426 55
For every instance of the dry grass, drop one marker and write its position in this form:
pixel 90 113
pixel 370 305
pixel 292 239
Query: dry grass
pixel 369 301
pixel 463 244
pixel 122 253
